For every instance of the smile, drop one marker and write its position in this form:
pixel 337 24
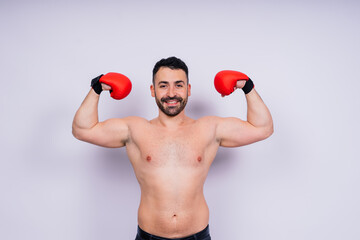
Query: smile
pixel 172 102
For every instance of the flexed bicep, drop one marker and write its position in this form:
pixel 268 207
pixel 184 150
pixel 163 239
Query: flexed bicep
pixel 111 133
pixel 86 126
pixel 234 132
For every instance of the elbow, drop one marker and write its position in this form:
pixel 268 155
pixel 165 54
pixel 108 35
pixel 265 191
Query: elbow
pixel 268 131
pixel 76 133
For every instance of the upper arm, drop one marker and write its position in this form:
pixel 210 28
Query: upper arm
pixel 234 132
pixel 110 133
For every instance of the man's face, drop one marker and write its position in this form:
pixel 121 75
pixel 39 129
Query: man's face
pixel 170 90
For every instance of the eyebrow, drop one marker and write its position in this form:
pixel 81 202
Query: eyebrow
pixel 166 82
pixel 179 81
pixel 163 82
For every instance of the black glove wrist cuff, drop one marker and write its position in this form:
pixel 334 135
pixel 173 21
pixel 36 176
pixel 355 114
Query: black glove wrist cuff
pixel 96 85
pixel 249 85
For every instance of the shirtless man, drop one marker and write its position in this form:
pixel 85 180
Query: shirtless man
pixel 171 154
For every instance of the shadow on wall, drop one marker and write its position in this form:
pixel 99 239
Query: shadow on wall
pixel 114 161
pixel 197 108
pixel 115 164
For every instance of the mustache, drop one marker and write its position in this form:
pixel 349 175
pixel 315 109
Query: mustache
pixel 165 99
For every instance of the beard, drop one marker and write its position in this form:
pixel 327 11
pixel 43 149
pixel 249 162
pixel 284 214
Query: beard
pixel 171 111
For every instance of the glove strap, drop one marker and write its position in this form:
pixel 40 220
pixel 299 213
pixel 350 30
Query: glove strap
pixel 249 85
pixel 96 85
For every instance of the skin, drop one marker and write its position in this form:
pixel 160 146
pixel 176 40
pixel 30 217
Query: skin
pixel 171 155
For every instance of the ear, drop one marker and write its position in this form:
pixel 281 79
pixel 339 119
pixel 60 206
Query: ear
pixel 152 90
pixel 189 89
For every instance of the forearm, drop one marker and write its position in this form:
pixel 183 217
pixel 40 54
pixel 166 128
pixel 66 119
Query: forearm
pixel 86 116
pixel 258 114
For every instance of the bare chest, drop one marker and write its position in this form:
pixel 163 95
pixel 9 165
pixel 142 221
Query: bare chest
pixel 186 147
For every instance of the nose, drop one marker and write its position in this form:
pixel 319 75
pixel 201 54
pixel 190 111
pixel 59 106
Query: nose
pixel 171 91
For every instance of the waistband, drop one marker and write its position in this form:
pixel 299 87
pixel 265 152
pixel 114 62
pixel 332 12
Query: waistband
pixel 148 236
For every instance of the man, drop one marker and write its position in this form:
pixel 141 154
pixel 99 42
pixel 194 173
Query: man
pixel 172 153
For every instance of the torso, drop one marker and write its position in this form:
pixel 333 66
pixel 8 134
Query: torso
pixel 171 167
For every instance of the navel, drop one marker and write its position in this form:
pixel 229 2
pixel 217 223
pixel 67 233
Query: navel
pixel 148 158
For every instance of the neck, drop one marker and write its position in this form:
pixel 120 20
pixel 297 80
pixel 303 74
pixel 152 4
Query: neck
pixel 175 121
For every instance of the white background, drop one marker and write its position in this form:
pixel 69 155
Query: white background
pixel 301 183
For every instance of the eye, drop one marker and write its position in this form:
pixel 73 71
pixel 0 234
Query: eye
pixel 179 85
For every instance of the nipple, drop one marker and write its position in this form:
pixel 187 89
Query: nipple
pixel 199 159
pixel 148 158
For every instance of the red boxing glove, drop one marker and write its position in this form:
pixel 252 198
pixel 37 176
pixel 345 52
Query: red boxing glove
pixel 120 84
pixel 225 82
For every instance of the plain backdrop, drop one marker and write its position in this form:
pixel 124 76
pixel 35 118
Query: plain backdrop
pixel 302 183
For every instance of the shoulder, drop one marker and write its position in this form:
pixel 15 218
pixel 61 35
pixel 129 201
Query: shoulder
pixel 209 120
pixel 134 121
pixel 215 120
pixel 126 122
pixel 220 123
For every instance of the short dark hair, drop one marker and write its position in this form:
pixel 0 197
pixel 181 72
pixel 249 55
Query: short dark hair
pixel 172 63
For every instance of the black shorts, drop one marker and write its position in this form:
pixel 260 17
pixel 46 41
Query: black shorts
pixel 202 235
